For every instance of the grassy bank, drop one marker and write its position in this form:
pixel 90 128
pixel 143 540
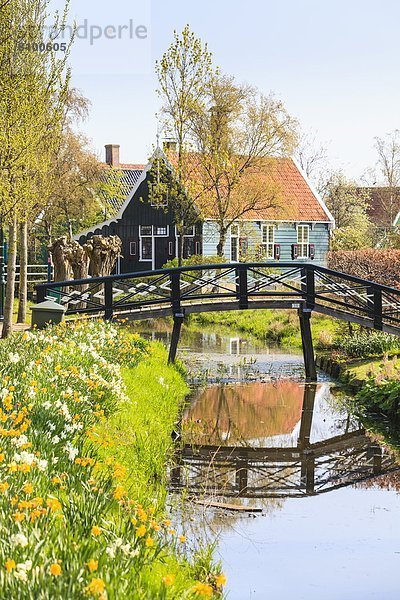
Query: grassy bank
pixel 378 402
pixel 275 326
pixel 86 414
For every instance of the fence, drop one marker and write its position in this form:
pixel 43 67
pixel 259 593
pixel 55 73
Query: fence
pixel 36 274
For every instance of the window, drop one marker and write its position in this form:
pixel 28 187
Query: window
pixel 162 231
pixel 132 248
pixel 146 230
pixel 268 240
pixel 189 232
pixel 146 246
pixel 303 239
pixel 234 243
pixel 188 248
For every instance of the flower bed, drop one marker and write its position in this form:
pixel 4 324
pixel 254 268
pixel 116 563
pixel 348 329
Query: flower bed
pixel 69 527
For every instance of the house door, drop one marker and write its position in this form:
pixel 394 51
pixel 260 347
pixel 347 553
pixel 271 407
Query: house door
pixel 161 252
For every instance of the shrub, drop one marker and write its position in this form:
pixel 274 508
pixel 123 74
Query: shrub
pixel 196 259
pixel 382 266
pixel 364 344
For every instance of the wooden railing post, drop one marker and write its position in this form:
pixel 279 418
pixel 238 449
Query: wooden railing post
pixel 242 293
pixel 310 287
pixel 307 343
pixel 108 299
pixel 378 316
pixel 176 333
pixel 175 277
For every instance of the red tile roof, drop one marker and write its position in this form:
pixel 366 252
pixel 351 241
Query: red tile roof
pixel 293 199
pixel 288 196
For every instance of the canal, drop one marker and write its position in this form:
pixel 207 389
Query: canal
pixel 298 499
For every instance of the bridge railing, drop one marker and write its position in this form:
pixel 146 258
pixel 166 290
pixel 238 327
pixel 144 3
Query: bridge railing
pixel 231 286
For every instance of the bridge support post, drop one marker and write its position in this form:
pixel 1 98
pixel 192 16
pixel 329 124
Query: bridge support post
pixel 307 342
pixel 176 333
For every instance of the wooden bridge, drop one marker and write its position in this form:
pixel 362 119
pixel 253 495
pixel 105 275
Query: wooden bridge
pixel 240 286
pixel 306 469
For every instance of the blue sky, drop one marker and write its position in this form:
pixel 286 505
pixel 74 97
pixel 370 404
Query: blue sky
pixel 334 63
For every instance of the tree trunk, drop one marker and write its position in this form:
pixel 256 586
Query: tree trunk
pixel 23 272
pixel 10 286
pixel 181 241
pixel 59 251
pixel 221 243
pixel 78 260
pixel 103 253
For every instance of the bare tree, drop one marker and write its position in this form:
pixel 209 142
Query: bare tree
pixel 313 159
pixel 236 135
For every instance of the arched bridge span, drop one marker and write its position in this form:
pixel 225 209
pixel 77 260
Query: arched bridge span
pixel 240 286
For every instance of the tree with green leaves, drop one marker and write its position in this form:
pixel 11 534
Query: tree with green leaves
pixel 33 90
pixel 184 73
pixel 348 204
pixel 236 134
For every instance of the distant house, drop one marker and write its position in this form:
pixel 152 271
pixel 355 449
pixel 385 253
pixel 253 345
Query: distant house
pixel 383 207
pixel 296 229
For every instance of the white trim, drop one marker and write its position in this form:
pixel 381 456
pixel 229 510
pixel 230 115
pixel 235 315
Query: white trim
pixel 141 259
pixel 315 193
pixel 303 244
pixel 93 229
pixel 268 244
pixel 123 207
pixel 155 227
pixel 260 220
pixel 234 236
pixel 187 234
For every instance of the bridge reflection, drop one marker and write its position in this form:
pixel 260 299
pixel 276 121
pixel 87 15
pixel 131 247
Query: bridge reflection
pixel 298 468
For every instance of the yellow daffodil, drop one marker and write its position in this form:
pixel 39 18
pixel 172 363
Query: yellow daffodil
pixel 92 565
pixel 55 569
pixel 168 579
pixel 9 565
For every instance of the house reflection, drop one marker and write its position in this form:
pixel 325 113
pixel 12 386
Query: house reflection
pixel 222 455
pixel 242 413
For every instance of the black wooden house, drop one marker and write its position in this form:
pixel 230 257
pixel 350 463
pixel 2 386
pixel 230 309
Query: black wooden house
pixel 147 230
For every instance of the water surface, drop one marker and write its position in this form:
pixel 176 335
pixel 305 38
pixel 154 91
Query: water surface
pixel 257 437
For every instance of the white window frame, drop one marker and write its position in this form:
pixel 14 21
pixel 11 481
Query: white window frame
pixel 155 234
pixel 192 234
pixel 141 234
pixel 235 235
pixel 268 242
pixel 132 248
pixel 303 241
pixel 146 237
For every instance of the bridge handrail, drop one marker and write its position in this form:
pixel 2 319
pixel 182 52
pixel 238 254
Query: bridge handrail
pixel 239 266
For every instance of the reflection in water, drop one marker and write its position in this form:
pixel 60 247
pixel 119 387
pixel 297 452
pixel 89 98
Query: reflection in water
pixel 258 441
pixel 218 356
pixel 243 413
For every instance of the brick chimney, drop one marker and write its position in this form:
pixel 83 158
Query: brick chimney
pixel 112 155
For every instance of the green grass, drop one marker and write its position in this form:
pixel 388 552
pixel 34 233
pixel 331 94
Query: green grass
pixel 275 326
pixel 362 369
pixel 141 430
